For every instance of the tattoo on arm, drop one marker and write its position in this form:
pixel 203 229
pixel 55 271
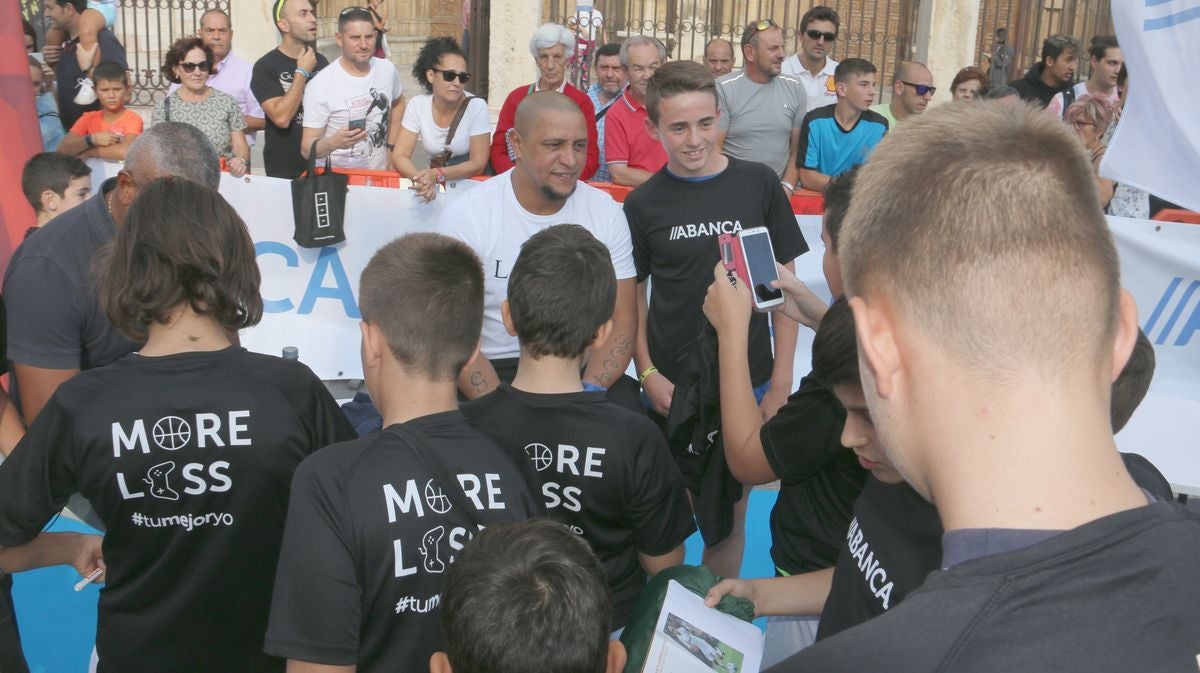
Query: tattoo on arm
pixel 622 347
pixel 477 382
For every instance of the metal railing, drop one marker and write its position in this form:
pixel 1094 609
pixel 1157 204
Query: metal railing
pixel 1030 22
pixel 147 28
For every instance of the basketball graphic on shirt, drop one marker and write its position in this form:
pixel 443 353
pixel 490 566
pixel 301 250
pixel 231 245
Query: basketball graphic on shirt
pixel 436 499
pixel 171 433
pixel 541 456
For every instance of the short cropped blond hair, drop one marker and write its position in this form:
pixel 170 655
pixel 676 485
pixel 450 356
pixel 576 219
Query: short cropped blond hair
pixel 981 224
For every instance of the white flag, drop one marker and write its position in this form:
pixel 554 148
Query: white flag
pixel 1157 144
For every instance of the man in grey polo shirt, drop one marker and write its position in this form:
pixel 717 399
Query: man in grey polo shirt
pixel 761 110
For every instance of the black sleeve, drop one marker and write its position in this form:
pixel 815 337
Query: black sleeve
pixel 802 146
pixel 1147 476
pixel 111 48
pixel 641 248
pixel 39 475
pixel 264 82
pixel 786 238
pixel 315 408
pixel 806 434
pixel 316 608
pixel 659 512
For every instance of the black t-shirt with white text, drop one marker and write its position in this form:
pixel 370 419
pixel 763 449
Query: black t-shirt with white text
pixel 819 479
pixel 272 78
pixel 187 460
pixel 372 527
pixel 675 223
pixel 603 471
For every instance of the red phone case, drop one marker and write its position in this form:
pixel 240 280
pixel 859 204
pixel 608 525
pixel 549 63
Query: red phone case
pixel 732 257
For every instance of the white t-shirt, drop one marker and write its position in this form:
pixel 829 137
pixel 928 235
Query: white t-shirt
pixel 492 222
pixel 418 118
pixel 818 89
pixel 334 97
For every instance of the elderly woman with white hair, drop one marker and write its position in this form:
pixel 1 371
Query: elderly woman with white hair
pixel 552 46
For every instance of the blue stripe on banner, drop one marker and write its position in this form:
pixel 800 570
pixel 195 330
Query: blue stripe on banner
pixel 1187 295
pixel 1162 305
pixel 1155 3
pixel 1171 19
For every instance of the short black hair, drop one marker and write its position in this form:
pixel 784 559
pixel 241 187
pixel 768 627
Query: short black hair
pixel 30 31
pixel 525 597
pixel 110 71
pixel 1101 44
pixel 1055 45
pixel 181 244
pixel 431 55
pixel 354 13
pixel 50 170
pixel 835 347
pixel 852 66
pixel 561 289
pixel 610 49
pixel 425 293
pixel 837 202
pixel 1133 382
pixel 820 13
pixel 79 5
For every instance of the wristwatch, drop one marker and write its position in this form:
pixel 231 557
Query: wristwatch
pixel 390 147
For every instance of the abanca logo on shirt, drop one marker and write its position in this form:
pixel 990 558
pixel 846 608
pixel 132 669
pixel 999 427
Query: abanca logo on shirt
pixel 679 231
pixel 873 572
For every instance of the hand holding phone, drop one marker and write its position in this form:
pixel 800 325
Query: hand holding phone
pixel 755 261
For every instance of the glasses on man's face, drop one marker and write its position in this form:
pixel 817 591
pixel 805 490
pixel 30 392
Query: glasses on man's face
pixel 191 67
pixel 757 28
pixel 449 75
pixel 818 35
pixel 921 89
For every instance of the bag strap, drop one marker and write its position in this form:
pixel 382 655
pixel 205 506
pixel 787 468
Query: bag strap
pixel 167 105
pixel 312 159
pixel 604 111
pixel 458 115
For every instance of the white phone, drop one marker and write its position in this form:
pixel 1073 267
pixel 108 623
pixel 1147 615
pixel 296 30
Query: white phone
pixel 759 262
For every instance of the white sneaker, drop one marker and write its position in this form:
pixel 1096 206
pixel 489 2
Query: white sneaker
pixel 87 93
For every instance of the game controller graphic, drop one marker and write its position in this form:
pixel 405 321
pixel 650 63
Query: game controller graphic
pixel 430 548
pixel 159 479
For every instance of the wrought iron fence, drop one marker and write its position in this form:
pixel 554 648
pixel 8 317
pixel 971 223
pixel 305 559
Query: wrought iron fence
pixel 881 31
pixel 147 28
pixel 1030 22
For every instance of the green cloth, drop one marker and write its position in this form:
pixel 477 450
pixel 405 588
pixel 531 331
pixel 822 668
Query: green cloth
pixel 885 109
pixel 639 631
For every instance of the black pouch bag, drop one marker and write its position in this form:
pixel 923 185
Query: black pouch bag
pixel 319 205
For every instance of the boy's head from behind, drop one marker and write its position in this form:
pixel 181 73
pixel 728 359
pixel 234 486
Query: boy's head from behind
pixel 111 81
pixel 561 292
pixel 837 200
pixel 1131 385
pixel 422 296
pixel 527 597
pixel 54 183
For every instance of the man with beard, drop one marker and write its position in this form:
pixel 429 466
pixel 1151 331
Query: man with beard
pixel 912 89
pixel 550 142
pixel 278 83
pixel 608 82
pixel 811 64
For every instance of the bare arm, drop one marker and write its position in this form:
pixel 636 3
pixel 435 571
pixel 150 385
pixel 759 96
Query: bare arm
pixel 52 549
pixel 340 140
pixel 114 152
pixel 254 123
pixel 478 378
pixel 406 142
pixel 813 180
pixel 653 564
pixel 658 388
pixel 37 385
pixel 791 174
pixel 623 174
pixel 803 594
pixel 612 357
pixel 294 666
pixel 73 143
pixel 281 110
pixel 241 148
pixel 394 125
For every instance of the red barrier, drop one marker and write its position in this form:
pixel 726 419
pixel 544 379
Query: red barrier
pixel 1177 215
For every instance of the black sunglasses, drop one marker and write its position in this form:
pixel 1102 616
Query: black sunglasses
pixel 818 35
pixel 449 75
pixel 922 89
pixel 756 28
pixel 191 67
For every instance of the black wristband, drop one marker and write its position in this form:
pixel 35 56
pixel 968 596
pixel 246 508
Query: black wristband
pixel 87 140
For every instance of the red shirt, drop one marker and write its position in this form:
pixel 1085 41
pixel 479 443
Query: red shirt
pixel 626 140
pixel 508 114
pixel 93 122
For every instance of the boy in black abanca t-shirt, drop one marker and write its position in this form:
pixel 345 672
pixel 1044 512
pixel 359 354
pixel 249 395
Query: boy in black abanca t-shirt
pixel 373 524
pixel 185 449
pixel 602 470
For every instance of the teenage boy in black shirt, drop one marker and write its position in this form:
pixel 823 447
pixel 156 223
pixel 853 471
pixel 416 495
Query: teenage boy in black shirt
pixel 373 524
pixel 602 470
pixel 675 218
pixel 185 448
pixel 278 81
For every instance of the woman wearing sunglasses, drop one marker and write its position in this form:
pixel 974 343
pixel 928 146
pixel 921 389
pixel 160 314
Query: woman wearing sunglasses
pixel 452 125
pixel 189 63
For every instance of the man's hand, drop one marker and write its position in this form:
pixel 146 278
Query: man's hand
pixel 660 391
pixel 737 588
pixel 799 303
pixel 727 305
pixel 105 138
pixel 52 53
pixel 89 557
pixel 345 138
pixel 307 60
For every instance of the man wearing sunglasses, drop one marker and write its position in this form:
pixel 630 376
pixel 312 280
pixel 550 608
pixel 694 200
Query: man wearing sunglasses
pixel 353 110
pixel 912 89
pixel 811 63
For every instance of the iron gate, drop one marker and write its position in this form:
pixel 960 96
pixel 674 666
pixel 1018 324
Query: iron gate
pixel 147 28
pixel 1029 22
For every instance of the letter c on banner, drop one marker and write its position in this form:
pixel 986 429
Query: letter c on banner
pixel 291 258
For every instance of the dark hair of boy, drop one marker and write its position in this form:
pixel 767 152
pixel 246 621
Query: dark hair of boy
pixel 110 71
pixel 835 347
pixel 610 49
pixel 562 289
pixel 851 67
pixel 837 201
pixel 50 171
pixel 1101 44
pixel 514 581
pixel 425 292
pixel 181 243
pixel 820 13
pixel 79 5
pixel 1133 382
pixel 431 55
pixel 1055 45
pixel 676 77
pixel 30 32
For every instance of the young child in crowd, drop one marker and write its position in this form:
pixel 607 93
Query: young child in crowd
pixel 185 449
pixel 373 524
pixel 602 470
pixel 527 597
pixel 98 15
pixel 105 133
pixel 54 183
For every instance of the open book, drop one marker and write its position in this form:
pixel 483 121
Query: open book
pixel 691 637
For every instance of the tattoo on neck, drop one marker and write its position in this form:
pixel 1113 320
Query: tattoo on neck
pixel 193 338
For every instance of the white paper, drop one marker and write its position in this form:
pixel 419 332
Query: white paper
pixel 691 637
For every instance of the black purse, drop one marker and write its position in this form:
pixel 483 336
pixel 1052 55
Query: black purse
pixel 319 205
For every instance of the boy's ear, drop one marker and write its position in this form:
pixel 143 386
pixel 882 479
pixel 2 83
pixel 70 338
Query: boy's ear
pixel 602 334
pixel 1127 332
pixel 506 317
pixel 372 341
pixel 49 201
pixel 652 129
pixel 439 663
pixel 877 346
pixel 616 657
pixel 475 354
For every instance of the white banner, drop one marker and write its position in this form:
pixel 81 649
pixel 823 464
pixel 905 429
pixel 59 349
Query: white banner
pixel 1157 144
